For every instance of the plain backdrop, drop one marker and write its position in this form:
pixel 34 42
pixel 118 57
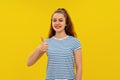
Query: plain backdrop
pixel 24 22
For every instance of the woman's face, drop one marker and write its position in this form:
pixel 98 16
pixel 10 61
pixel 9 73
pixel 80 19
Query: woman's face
pixel 58 22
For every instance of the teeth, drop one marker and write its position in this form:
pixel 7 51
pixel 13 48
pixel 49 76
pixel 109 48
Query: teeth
pixel 57 26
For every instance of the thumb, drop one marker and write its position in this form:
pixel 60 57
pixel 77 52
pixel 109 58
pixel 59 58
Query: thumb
pixel 42 39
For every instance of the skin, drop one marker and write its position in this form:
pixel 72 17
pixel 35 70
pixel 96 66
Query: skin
pixel 78 62
pixel 37 53
pixel 59 21
pixel 58 24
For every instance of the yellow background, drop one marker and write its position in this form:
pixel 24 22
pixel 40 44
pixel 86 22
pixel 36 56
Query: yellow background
pixel 23 22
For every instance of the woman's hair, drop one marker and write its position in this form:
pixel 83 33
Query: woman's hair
pixel 69 29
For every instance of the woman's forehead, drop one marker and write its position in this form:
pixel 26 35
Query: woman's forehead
pixel 58 15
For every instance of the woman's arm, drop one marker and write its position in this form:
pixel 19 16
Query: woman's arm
pixel 37 53
pixel 78 62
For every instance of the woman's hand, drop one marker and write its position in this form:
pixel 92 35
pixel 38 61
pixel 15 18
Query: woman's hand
pixel 37 53
pixel 43 46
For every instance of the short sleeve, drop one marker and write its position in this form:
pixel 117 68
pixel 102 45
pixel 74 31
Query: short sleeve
pixel 76 44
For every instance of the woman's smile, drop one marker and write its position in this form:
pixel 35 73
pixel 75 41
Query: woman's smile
pixel 57 26
pixel 58 22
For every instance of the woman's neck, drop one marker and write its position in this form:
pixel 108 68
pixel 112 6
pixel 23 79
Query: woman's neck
pixel 60 35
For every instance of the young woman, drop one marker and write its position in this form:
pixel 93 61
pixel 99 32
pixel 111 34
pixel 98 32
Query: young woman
pixel 62 47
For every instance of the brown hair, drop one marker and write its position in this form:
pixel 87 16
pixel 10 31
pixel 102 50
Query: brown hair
pixel 68 29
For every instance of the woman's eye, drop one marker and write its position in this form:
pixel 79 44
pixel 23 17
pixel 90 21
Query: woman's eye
pixel 54 20
pixel 60 20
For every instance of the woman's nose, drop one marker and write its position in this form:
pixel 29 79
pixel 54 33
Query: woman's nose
pixel 57 22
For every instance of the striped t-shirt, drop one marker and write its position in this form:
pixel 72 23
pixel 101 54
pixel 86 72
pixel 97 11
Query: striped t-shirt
pixel 60 54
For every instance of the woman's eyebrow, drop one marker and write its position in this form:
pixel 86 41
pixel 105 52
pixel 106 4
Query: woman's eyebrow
pixel 60 18
pixel 54 18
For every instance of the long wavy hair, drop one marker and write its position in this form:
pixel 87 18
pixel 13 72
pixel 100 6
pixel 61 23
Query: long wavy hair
pixel 69 29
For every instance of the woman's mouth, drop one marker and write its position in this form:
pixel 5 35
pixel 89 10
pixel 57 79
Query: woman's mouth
pixel 57 27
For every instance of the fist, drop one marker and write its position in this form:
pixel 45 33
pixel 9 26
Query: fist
pixel 43 46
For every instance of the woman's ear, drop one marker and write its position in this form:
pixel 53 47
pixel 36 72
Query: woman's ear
pixel 66 27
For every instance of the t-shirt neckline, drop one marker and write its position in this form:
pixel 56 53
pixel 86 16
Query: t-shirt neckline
pixel 61 38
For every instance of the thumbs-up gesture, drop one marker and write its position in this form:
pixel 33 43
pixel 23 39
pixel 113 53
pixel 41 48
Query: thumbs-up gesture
pixel 43 46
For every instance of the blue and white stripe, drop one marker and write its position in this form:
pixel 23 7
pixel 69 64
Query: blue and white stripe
pixel 61 58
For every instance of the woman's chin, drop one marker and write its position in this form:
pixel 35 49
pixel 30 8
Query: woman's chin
pixel 58 31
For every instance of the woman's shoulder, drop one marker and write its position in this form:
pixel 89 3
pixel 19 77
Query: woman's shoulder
pixel 74 38
pixel 75 42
